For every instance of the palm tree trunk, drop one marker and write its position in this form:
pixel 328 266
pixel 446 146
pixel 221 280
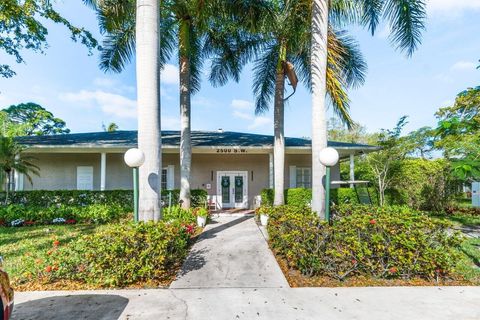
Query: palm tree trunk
pixel 148 101
pixel 319 111
pixel 279 136
pixel 185 122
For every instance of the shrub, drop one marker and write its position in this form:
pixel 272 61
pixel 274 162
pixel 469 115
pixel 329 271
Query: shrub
pixel 176 213
pixel 267 197
pixel 95 213
pixel 198 197
pixel 363 240
pixel 301 197
pixel 121 255
pixel 298 197
pixel 48 198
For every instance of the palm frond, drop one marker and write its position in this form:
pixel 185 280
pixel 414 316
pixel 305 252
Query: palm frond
pixel 407 22
pixel 264 74
pixel 372 13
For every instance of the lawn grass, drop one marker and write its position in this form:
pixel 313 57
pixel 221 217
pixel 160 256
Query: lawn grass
pixel 469 264
pixel 24 249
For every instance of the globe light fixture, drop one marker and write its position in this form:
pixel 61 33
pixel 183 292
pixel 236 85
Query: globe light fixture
pixel 134 158
pixel 329 158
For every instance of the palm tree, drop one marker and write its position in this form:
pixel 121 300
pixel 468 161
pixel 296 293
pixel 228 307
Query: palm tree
pixel 112 127
pixel 287 47
pixel 12 160
pixel 194 28
pixel 406 20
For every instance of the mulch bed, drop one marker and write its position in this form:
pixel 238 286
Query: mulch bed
pixel 297 280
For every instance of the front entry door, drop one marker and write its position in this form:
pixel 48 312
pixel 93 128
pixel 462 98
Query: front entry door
pixel 232 189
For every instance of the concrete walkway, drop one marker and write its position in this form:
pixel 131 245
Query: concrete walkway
pixel 425 303
pixel 230 253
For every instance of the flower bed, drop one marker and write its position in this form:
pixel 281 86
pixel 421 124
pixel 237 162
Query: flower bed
pixel 372 242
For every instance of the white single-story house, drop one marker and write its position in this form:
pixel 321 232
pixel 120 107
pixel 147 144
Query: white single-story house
pixel 232 167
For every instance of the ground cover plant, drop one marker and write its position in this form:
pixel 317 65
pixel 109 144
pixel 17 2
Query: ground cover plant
pixel 376 244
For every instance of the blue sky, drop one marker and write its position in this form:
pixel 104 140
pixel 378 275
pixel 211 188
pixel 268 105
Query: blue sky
pixel 68 82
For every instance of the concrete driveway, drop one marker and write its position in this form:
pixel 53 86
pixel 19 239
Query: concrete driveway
pixel 249 303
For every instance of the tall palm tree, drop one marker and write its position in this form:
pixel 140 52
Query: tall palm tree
pixel 12 160
pixel 286 48
pixel 147 48
pixel 197 29
pixel 406 19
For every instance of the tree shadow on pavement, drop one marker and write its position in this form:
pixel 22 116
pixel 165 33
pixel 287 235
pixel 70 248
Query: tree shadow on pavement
pixel 211 233
pixel 195 261
pixel 85 307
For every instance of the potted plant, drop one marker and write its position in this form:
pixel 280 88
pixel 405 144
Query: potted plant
pixel 263 212
pixel 202 215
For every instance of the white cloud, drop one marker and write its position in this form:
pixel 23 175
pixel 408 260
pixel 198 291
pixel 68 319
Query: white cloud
pixel 109 103
pixel 244 109
pixel 112 85
pixel 203 102
pixel 242 104
pixel 449 6
pixel 464 66
pixel 260 122
pixel 170 123
pixel 169 75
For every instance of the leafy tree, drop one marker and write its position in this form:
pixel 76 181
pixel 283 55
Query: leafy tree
pixel 421 142
pixel 385 161
pixel 459 134
pixel 30 119
pixel 406 20
pixel 12 159
pixel 338 132
pixel 21 27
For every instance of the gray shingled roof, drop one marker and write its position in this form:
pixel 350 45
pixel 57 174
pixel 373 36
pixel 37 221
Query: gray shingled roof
pixel 172 138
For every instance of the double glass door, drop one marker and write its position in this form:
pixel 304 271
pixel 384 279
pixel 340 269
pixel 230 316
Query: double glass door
pixel 232 190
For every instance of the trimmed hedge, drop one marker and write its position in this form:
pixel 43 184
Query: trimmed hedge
pixel 120 255
pixel 198 197
pixel 19 215
pixel 300 197
pixel 48 198
pixel 386 242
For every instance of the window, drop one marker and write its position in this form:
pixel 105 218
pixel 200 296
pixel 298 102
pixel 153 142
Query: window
pixel 164 179
pixel 304 177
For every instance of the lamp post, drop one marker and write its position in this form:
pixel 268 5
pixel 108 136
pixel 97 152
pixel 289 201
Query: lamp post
pixel 328 157
pixel 134 158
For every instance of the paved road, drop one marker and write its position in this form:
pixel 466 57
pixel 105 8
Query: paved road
pixel 231 253
pixel 446 303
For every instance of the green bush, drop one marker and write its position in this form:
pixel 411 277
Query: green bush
pixel 95 213
pixel 120 255
pixel 48 198
pixel 364 240
pixel 198 197
pixel 301 197
pixel 267 197
pixel 176 213
pixel 298 197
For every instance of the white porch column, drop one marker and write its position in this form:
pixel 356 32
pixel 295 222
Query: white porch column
pixel 103 170
pixel 352 169
pixel 270 170
pixel 18 178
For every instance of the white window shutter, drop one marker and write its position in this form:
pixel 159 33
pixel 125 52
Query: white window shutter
pixel 171 177
pixel 293 176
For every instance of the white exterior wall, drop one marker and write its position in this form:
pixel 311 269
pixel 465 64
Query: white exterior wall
pixel 58 170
